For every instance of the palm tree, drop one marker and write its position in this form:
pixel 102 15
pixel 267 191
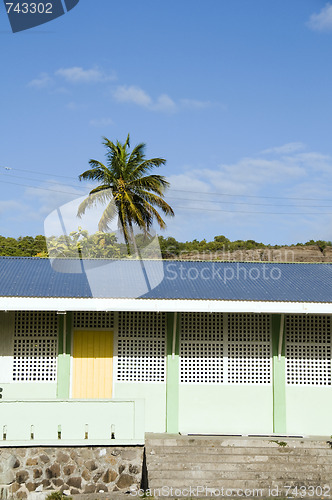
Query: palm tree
pixel 128 189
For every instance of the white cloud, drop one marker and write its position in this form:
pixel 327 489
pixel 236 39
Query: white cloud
pixel 124 93
pixel 101 122
pixel 44 80
pixel 77 74
pixel 195 103
pixel 323 20
pixel 50 195
pixel 237 199
pixel 164 103
pixel 288 148
pixel 136 95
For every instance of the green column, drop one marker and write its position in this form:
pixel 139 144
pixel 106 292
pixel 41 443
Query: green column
pixel 172 381
pixel 63 375
pixel 279 375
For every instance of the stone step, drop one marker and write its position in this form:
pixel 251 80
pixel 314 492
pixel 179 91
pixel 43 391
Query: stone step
pixel 233 463
pixel 220 441
pixel 236 474
pixel 234 484
pixel 168 460
pixel 281 450
pixel 239 468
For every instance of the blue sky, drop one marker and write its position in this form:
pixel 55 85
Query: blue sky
pixel 236 95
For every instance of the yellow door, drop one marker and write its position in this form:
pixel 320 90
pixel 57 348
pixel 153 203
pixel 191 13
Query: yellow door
pixel 92 364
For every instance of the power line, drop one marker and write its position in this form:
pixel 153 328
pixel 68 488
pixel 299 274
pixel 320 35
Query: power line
pixel 247 212
pixel 184 208
pixel 42 189
pixel 34 172
pixel 245 203
pixel 251 196
pixel 186 190
pixel 32 180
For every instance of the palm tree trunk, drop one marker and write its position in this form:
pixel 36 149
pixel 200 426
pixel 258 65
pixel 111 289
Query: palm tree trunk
pixel 133 241
pixel 138 256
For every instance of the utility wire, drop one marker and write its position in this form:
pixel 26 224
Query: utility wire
pixel 43 189
pixel 252 196
pixel 36 180
pixel 184 208
pixel 186 199
pixel 187 190
pixel 246 203
pixel 34 172
pixel 247 212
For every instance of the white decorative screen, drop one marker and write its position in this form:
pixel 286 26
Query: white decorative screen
pixel 201 348
pixel 141 347
pixel 308 349
pixel 93 319
pixel 229 349
pixel 35 347
pixel 249 349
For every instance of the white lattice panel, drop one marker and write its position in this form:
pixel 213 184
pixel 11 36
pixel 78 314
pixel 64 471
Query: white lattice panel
pixel 93 319
pixel 196 325
pixel 34 360
pixel 234 349
pixel 141 347
pixel 142 324
pixel 201 348
pixel 35 347
pixel 308 350
pixel 249 349
pixel 249 363
pixel 36 324
pixel 249 328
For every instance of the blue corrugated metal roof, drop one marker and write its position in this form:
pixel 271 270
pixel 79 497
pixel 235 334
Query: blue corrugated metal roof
pixel 35 277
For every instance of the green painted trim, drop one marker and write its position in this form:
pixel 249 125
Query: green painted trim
pixel 60 333
pixel 63 373
pixel 69 332
pixel 279 378
pixel 172 377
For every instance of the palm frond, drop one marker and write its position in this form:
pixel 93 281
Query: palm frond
pixel 91 201
pixel 147 165
pixel 108 216
pixel 94 174
pixel 154 182
pixel 151 198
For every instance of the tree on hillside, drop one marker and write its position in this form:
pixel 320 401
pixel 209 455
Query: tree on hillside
pixel 128 189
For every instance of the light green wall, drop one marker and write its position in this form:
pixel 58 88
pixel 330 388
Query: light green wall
pixel 154 395
pixel 28 390
pixel 64 351
pixel 309 410
pixel 278 370
pixel 208 408
pixel 74 418
pixel 172 385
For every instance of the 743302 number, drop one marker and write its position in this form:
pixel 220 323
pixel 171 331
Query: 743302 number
pixel 32 8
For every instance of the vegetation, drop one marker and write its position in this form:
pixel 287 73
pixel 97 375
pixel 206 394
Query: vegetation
pixel 27 246
pixel 105 245
pixel 81 244
pixel 57 495
pixel 128 189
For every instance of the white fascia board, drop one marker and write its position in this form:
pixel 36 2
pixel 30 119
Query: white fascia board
pixel 160 305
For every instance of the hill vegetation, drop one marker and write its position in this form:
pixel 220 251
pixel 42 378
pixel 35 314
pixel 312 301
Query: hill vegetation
pixel 104 245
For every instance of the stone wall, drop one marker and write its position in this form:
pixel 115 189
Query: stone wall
pixel 70 470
